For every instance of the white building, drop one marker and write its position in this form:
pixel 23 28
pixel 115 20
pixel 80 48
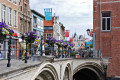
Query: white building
pixel 79 42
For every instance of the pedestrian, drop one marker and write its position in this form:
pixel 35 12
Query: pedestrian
pixel 23 48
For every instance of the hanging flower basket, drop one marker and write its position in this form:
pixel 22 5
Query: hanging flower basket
pixel 4 31
pixel 29 36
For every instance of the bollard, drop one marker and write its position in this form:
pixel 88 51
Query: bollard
pixel 9 52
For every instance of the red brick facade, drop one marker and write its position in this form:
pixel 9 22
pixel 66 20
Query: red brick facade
pixel 48 23
pixel 108 41
pixel 47 32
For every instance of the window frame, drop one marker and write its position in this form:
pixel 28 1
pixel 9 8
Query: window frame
pixel 9 16
pixel 48 36
pixel 15 19
pixel 105 21
pixel 4 8
pixel 15 1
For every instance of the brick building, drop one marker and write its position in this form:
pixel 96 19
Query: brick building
pixel 48 28
pixel 9 15
pixel 106 24
pixel 17 15
pixel 24 16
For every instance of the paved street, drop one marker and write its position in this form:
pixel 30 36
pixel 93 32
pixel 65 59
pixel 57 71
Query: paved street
pixel 16 65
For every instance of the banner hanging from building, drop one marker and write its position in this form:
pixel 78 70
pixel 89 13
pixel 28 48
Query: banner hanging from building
pixel 67 33
pixel 48 14
pixel 71 39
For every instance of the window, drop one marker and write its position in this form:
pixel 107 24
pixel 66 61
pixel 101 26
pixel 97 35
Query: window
pixel 106 20
pixel 20 8
pixel 41 22
pixel 29 28
pixel 25 8
pixel 4 13
pixel 48 35
pixel 14 1
pixel 10 16
pixel 38 22
pixel 34 21
pixel 15 18
pixel 21 25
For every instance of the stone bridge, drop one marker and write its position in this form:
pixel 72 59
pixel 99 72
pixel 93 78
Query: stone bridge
pixel 60 69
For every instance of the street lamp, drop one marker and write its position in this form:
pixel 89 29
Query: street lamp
pixel 41 45
pixel 9 50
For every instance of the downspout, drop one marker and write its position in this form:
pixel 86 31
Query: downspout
pixel 100 30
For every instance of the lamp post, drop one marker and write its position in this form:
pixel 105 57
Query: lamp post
pixel 41 45
pixel 9 52
pixel 26 51
pixel 62 51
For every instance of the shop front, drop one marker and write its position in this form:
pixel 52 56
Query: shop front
pixel 4 48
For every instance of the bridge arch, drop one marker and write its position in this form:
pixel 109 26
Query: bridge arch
pixel 46 72
pixel 88 71
pixel 67 72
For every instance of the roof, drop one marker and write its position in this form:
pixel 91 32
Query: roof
pixel 32 10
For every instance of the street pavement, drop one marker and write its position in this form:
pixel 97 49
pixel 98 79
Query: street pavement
pixel 16 65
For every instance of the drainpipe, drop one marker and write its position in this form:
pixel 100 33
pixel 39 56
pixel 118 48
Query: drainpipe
pixel 100 31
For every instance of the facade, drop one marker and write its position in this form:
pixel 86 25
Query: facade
pixel 107 29
pixel 24 16
pixel 9 15
pixel 17 15
pixel 48 29
pixel 37 23
pixel 56 27
pixel 62 32
pixel 79 42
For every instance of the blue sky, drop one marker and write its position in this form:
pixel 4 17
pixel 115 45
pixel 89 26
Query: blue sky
pixel 76 15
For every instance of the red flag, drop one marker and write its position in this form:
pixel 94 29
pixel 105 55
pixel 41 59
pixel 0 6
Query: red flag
pixel 67 33
pixel 71 39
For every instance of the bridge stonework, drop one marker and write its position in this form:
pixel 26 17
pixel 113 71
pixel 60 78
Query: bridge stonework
pixel 60 69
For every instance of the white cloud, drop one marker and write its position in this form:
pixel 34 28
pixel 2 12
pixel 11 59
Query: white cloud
pixel 76 15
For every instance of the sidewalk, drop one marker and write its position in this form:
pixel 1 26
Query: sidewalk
pixel 16 65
